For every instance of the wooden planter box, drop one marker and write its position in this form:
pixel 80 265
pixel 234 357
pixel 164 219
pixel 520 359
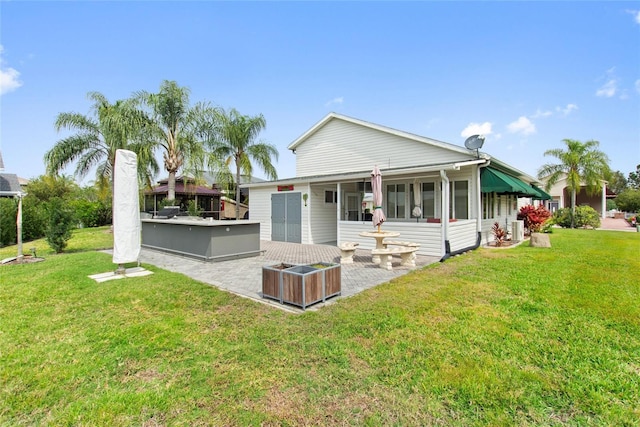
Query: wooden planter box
pixel 272 281
pixel 332 276
pixel 301 285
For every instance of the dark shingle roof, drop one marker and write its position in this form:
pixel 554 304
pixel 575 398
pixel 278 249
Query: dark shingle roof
pixel 9 183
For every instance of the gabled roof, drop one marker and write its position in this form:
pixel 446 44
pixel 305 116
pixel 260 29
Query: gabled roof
pixel 9 185
pixel 182 189
pixel 210 179
pixel 402 134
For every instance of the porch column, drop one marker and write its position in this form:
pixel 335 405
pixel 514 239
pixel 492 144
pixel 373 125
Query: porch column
pixel 445 209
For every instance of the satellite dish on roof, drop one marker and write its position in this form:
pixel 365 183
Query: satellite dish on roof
pixel 474 142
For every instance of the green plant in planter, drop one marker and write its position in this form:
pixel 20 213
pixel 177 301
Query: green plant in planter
pixel 547 227
pixel 167 202
pixel 533 217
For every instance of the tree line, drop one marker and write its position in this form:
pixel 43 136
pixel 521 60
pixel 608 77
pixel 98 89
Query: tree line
pixel 191 138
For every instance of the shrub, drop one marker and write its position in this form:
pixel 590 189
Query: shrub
pixel 59 224
pixel 629 200
pixel 167 202
pixel 193 208
pixel 585 217
pixel 91 213
pixel 8 212
pixel 533 217
pixel 34 219
pixel 499 234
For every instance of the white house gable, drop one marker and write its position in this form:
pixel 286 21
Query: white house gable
pixel 341 146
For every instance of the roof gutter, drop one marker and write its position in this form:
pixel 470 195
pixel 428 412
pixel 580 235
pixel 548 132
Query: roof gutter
pixel 346 176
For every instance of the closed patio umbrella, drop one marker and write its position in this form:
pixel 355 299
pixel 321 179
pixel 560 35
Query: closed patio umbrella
pixel 376 187
pixel 417 199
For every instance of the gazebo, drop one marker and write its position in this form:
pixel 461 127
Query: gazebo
pixel 207 199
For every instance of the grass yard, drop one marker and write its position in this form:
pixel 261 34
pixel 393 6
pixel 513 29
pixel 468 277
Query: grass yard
pixel 522 336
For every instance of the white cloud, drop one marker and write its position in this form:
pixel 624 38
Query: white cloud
pixel 567 110
pixel 636 15
pixel 523 125
pixel 9 77
pixel 335 101
pixel 477 129
pixel 608 89
pixel 542 114
pixel 638 85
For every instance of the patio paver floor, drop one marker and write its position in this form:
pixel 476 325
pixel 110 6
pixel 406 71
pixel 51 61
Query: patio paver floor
pixel 244 276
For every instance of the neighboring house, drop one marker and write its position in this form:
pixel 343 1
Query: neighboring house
pixel 327 201
pixel 9 183
pixel 211 200
pixel 23 183
pixel 562 197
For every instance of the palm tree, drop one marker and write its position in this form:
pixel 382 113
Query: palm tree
pixel 234 141
pixel 581 163
pixel 174 126
pixel 94 145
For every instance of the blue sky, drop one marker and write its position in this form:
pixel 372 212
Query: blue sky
pixel 524 74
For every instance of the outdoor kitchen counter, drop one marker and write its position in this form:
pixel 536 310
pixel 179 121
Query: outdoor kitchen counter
pixel 205 239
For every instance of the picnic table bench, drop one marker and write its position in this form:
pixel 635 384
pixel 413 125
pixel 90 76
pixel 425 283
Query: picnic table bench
pixel 347 249
pixel 407 255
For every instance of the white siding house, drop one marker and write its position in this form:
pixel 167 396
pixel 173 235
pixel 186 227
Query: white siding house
pixel 325 203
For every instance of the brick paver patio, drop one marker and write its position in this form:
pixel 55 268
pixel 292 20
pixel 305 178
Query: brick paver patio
pixel 244 276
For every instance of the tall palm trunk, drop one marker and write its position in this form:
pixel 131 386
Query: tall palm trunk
pixel 573 208
pixel 171 190
pixel 237 191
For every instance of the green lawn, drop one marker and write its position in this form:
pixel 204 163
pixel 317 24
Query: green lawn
pixel 522 336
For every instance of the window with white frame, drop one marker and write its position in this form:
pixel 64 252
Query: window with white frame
pixel 395 200
pixel 487 205
pixel 330 196
pixel 428 199
pixel 459 200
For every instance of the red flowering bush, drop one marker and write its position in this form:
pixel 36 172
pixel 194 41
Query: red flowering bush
pixel 534 217
pixel 499 234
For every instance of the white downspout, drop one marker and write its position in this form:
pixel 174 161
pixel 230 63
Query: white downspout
pixel 445 210
pixel 338 212
pixel 478 202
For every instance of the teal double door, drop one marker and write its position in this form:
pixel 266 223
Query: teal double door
pixel 286 217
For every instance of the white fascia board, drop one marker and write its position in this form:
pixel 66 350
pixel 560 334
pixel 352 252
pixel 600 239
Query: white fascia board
pixel 311 131
pixel 359 175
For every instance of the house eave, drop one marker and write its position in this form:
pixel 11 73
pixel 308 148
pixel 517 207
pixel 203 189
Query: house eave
pixel 359 175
